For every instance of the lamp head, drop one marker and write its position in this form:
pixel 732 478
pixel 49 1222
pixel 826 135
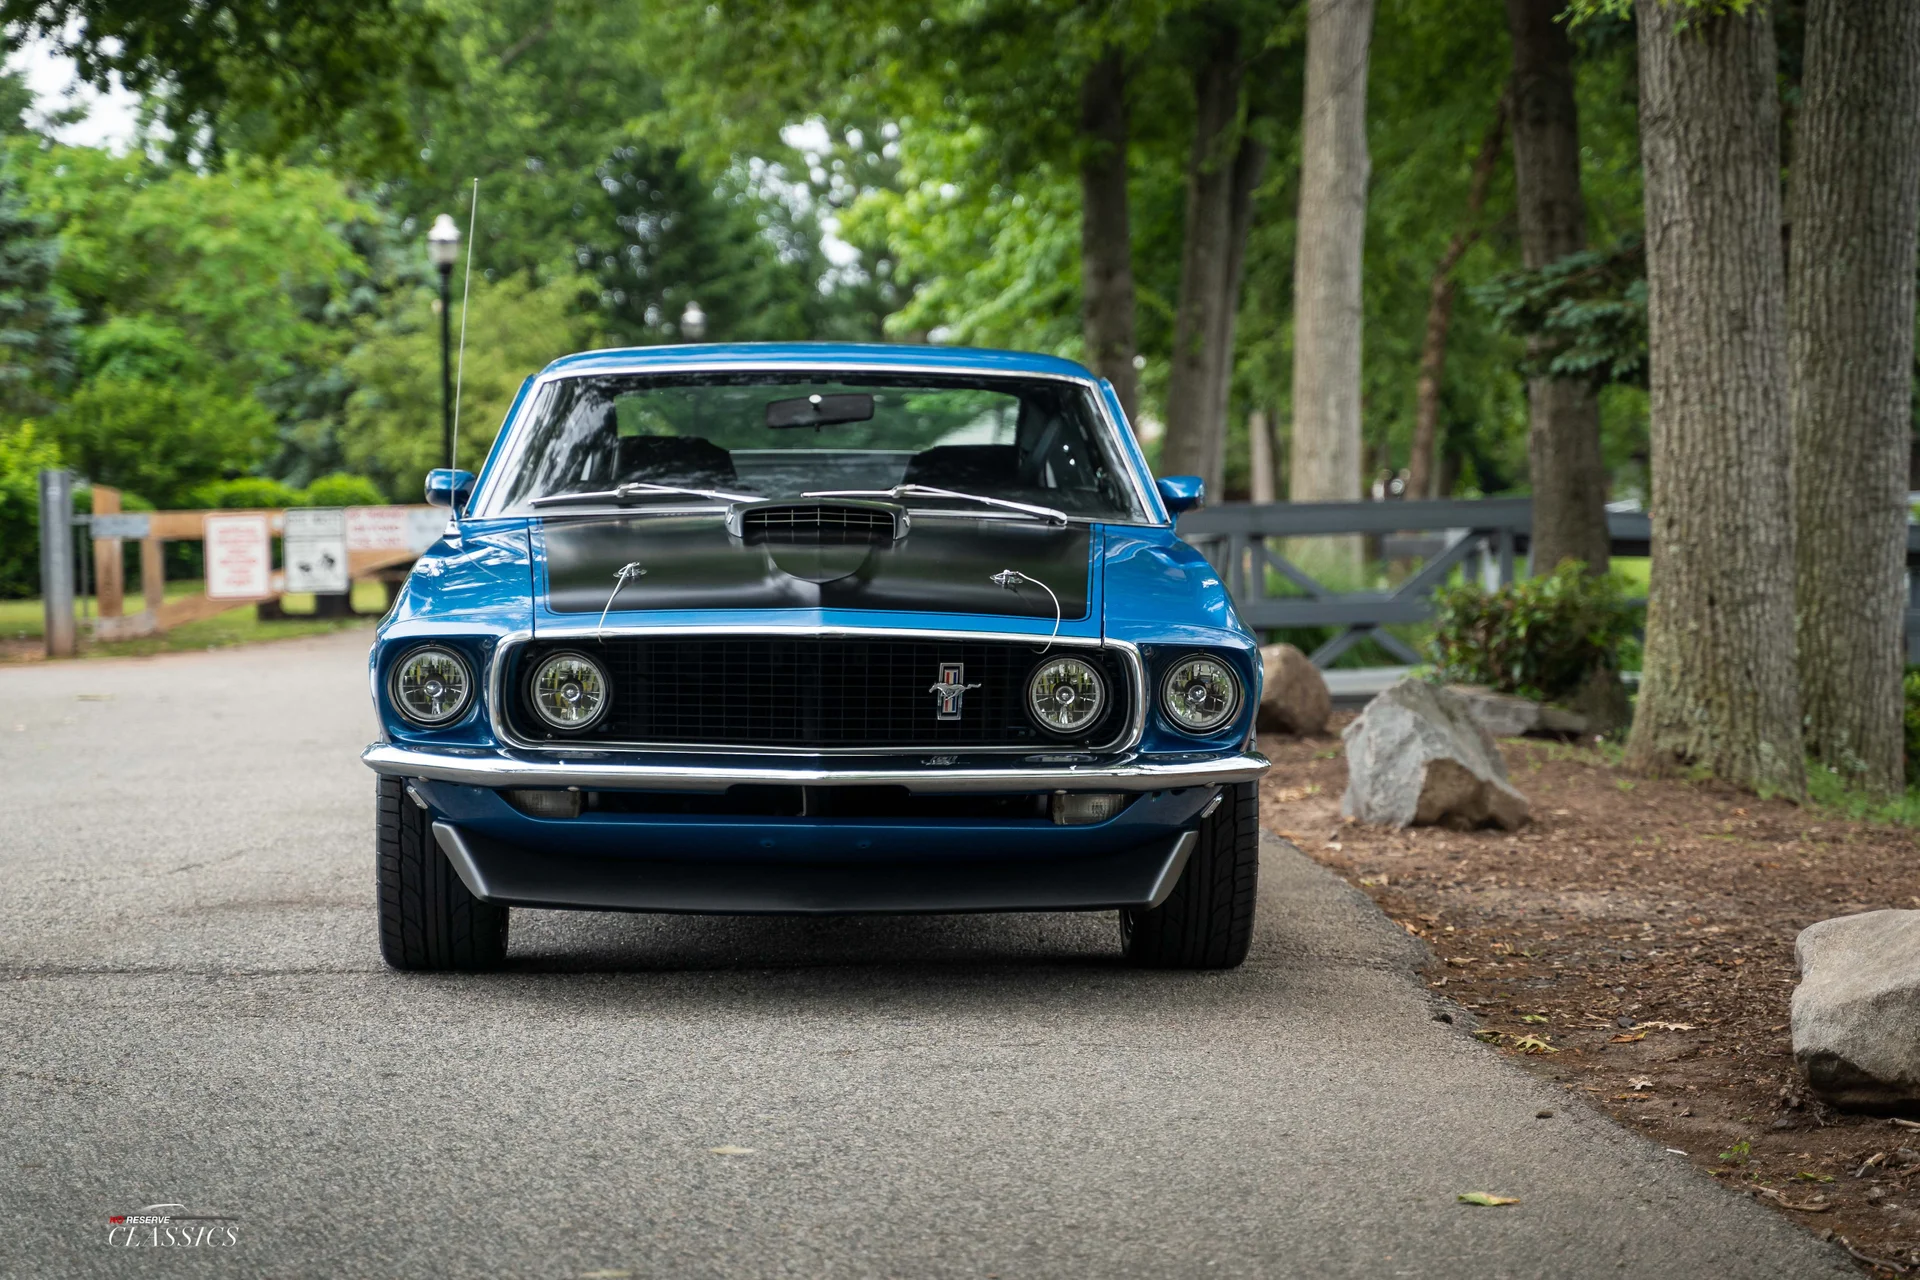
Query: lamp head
pixel 443 242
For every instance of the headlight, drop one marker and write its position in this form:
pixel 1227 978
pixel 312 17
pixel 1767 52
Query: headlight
pixel 1066 695
pixel 569 691
pixel 432 685
pixel 1200 694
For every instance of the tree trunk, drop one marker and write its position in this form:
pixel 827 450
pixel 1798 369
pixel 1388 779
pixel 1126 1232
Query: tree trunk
pixel 1334 169
pixel 1194 432
pixel 1563 436
pixel 1855 205
pixel 1106 241
pixel 1260 455
pixel 1249 164
pixel 1421 472
pixel 1718 690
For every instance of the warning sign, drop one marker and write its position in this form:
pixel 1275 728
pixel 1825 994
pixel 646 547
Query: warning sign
pixel 239 557
pixel 316 550
pixel 394 528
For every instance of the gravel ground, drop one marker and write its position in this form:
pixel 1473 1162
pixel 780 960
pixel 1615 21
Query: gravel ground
pixel 192 1010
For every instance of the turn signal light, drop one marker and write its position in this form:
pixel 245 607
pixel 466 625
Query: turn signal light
pixel 1082 808
pixel 545 804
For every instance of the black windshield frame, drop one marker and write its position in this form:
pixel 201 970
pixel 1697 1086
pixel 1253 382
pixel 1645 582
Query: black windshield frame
pixel 568 438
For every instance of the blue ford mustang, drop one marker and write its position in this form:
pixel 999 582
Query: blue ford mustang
pixel 810 628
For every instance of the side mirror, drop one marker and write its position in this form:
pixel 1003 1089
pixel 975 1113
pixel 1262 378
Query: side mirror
pixel 1182 493
pixel 449 488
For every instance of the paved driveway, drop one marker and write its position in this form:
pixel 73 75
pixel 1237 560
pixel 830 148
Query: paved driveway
pixel 192 1010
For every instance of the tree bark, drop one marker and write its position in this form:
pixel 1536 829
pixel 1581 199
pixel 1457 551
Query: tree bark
pixel 1334 169
pixel 1855 205
pixel 1106 240
pixel 1260 456
pixel 1718 690
pixel 1421 470
pixel 1569 477
pixel 1195 432
pixel 1249 165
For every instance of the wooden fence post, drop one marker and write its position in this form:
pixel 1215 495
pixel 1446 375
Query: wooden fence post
pixel 153 574
pixel 109 565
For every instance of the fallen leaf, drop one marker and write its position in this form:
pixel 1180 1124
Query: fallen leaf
pixel 1486 1198
pixel 1671 1026
pixel 1532 1017
pixel 1628 1037
pixel 1640 1082
pixel 1459 962
pixel 1533 1044
pixel 1818 1204
pixel 1371 882
pixel 731 1151
pixel 1804 1176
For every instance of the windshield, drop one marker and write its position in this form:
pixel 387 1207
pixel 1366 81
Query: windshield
pixel 782 435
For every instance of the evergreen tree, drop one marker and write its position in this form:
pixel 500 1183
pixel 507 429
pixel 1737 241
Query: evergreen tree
pixel 36 330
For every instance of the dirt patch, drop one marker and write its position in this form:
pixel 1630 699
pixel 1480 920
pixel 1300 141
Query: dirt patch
pixel 1635 943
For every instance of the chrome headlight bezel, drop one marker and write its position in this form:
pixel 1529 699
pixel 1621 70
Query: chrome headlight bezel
pixel 397 681
pixel 539 708
pixel 1091 679
pixel 1175 694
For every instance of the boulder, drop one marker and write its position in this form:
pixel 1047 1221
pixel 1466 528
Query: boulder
pixel 1856 1012
pixel 1416 756
pixel 1293 693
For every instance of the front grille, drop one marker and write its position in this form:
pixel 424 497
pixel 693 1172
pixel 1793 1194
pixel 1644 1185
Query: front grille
pixel 817 525
pixel 815 694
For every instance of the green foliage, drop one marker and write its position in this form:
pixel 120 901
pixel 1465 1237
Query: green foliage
pixel 1538 637
pixel 24 451
pixel 245 492
pixel 343 490
pixel 1911 687
pixel 391 432
pixel 159 439
pixel 36 329
pixel 1585 316
pixel 262 72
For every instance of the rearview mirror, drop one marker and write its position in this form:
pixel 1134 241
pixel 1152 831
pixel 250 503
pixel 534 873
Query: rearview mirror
pixel 1182 493
pixel 447 487
pixel 819 411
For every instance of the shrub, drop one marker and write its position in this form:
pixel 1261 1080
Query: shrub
pixel 1913 726
pixel 343 489
pixel 1536 637
pixel 24 451
pixel 246 491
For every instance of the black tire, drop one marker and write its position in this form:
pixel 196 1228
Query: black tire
pixel 428 920
pixel 1207 921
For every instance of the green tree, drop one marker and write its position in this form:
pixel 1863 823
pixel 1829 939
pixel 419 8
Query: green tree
pixel 392 429
pixel 36 328
pixel 24 451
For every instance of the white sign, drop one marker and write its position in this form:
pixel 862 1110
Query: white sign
pixel 316 550
pixel 239 557
pixel 394 528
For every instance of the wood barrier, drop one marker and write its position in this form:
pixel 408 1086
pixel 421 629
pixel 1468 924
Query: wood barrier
pixel 376 541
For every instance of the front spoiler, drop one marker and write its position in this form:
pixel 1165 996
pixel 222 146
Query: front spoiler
pixel 608 772
pixel 1140 877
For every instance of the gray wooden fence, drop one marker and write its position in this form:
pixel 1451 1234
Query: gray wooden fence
pixel 1488 537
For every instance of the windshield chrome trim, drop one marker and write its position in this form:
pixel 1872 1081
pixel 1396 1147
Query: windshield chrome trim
pixel 1129 738
pixel 482 505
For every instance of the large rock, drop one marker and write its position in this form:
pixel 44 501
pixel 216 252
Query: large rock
pixel 1856 1013
pixel 1417 756
pixel 1293 693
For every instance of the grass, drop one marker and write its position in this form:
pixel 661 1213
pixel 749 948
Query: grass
pixel 1826 789
pixel 24 620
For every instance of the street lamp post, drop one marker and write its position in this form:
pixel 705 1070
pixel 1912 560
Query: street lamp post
pixel 443 244
pixel 693 322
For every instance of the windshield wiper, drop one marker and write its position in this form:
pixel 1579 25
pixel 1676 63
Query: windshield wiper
pixel 636 490
pixel 1048 514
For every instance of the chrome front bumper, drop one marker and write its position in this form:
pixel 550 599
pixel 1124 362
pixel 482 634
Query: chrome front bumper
pixel 606 772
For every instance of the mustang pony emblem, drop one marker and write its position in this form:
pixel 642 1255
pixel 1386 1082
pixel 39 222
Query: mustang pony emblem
pixel 951 688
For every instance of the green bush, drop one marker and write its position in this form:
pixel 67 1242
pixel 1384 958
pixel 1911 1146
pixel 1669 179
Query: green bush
pixel 1537 637
pixel 246 491
pixel 23 452
pixel 343 489
pixel 1913 726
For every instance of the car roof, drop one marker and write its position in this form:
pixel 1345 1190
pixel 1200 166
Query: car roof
pixel 874 356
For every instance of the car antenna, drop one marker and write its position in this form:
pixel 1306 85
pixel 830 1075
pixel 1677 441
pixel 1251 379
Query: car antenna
pixel 460 365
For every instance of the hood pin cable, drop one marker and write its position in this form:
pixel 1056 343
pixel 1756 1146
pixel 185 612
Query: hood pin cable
pixel 630 570
pixel 1010 580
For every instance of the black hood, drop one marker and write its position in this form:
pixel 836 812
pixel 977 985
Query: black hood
pixel 943 564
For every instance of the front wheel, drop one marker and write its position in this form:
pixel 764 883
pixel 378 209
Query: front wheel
pixel 428 920
pixel 1207 921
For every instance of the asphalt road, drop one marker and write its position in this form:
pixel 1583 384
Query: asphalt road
pixel 193 1010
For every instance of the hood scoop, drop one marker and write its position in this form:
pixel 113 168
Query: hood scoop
pixel 818 541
